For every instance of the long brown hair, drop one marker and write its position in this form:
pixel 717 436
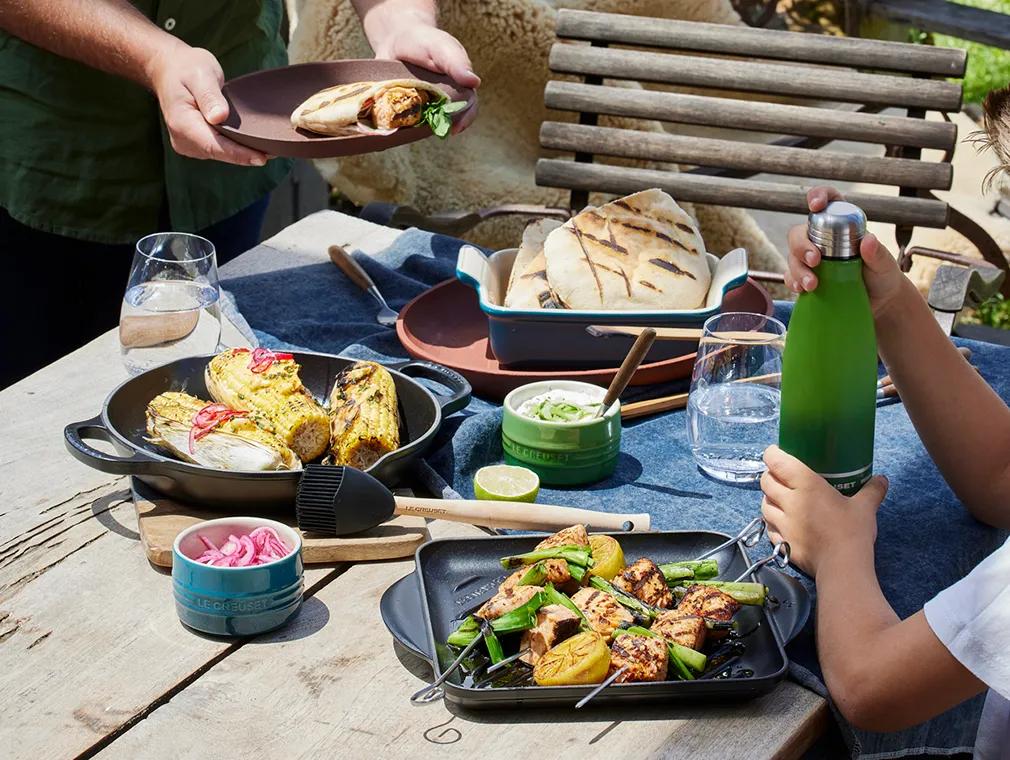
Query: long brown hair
pixel 995 132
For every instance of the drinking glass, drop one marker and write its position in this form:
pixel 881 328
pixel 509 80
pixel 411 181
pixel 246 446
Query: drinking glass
pixel 170 309
pixel 733 405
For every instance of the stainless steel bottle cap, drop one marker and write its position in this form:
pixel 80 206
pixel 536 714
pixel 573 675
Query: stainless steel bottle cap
pixel 837 230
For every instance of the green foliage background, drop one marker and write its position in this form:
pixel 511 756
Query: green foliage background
pixel 988 68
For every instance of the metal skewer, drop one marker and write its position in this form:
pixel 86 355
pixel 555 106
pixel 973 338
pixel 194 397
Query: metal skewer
pixel 749 537
pixel 507 661
pixel 434 691
pixel 610 679
pixel 779 555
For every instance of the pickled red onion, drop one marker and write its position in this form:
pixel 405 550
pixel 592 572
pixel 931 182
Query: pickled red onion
pixel 260 546
pixel 208 418
pixel 263 358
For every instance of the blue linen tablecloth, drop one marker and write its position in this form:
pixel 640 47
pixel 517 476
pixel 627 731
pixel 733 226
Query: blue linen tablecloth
pixel 926 540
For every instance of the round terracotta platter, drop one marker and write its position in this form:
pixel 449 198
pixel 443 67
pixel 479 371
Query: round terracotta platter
pixel 445 325
pixel 260 106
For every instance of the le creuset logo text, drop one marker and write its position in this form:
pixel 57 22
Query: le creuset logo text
pixel 476 593
pixel 235 605
pixel 540 456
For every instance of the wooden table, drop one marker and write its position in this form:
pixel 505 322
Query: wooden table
pixel 93 660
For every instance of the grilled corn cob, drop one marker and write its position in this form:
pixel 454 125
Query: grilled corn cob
pixel 274 397
pixel 364 419
pixel 232 444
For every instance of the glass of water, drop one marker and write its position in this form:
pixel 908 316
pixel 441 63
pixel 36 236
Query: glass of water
pixel 733 406
pixel 170 309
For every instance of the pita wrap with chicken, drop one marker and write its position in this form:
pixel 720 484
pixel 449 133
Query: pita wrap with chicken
pixel 374 107
pixel 637 253
pixel 528 287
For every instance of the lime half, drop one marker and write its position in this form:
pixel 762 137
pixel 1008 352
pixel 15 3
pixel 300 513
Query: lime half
pixel 505 482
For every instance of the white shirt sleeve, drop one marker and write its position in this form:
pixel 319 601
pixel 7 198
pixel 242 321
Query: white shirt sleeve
pixel 972 619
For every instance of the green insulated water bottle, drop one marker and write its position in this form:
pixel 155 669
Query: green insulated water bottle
pixel 829 369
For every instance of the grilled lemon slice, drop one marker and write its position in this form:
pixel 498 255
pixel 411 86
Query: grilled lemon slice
pixel 582 659
pixel 608 558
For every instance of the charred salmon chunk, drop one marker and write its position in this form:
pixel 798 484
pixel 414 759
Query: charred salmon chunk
pixel 643 580
pixel 678 628
pixel 555 623
pixel 551 570
pixel 645 657
pixel 708 602
pixel 506 601
pixel 603 613
pixel 573 536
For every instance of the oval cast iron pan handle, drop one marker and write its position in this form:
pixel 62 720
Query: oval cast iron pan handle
pixel 74 436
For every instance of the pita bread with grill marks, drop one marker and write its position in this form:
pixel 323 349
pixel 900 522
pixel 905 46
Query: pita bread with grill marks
pixel 637 253
pixel 528 287
pixel 336 110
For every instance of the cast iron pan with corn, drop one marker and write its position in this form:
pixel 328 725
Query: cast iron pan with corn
pixel 122 423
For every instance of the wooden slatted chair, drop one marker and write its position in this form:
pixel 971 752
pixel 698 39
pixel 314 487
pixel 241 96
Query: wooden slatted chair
pixel 940 16
pixel 872 75
pixel 865 76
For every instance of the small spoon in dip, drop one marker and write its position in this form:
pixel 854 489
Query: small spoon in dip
pixel 628 368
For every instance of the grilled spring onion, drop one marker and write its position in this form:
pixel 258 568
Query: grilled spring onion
pixel 494 650
pixel 535 576
pixel 746 593
pixel 572 554
pixel 520 619
pixel 690 569
pixel 556 597
pixel 675 657
pixel 646 611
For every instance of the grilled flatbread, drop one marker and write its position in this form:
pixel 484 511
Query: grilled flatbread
pixel 640 252
pixel 528 287
pixel 387 105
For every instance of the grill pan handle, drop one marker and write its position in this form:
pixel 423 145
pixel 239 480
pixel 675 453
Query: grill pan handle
pixel 74 436
pixel 458 386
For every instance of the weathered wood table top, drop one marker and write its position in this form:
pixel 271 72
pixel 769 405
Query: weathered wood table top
pixel 94 662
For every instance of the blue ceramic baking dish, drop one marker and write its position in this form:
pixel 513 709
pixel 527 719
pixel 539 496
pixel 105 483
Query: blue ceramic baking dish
pixel 235 601
pixel 557 338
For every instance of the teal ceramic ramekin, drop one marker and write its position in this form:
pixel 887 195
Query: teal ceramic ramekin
pixel 561 453
pixel 235 601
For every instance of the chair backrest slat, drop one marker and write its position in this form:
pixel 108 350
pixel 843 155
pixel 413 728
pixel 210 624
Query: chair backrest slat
pixel 752 76
pixel 722 191
pixel 750 115
pixel 753 158
pixel 762 43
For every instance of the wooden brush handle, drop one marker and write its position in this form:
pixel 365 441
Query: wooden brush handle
pixel 516 515
pixel 653 406
pixel 683 333
pixel 351 268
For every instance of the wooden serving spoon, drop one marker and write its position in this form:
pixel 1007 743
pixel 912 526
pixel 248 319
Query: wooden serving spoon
pixel 628 368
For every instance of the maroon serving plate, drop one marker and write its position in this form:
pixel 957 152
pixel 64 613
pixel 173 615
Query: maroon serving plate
pixel 260 106
pixel 446 325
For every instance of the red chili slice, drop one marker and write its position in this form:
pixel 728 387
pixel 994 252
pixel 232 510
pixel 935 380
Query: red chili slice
pixel 208 418
pixel 263 358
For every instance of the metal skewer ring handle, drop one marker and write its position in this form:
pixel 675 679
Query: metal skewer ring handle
pixel 779 555
pixel 749 537
pixel 434 691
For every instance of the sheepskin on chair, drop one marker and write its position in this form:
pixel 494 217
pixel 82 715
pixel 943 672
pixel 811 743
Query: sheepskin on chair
pixel 493 161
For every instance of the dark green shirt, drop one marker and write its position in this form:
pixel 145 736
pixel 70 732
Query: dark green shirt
pixel 85 154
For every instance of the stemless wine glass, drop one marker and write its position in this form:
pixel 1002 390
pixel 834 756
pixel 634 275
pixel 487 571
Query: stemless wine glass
pixel 170 309
pixel 733 406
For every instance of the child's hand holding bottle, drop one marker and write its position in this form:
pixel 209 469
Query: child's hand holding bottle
pixel 884 280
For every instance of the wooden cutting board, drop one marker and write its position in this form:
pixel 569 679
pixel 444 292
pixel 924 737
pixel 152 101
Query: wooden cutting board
pixel 161 519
